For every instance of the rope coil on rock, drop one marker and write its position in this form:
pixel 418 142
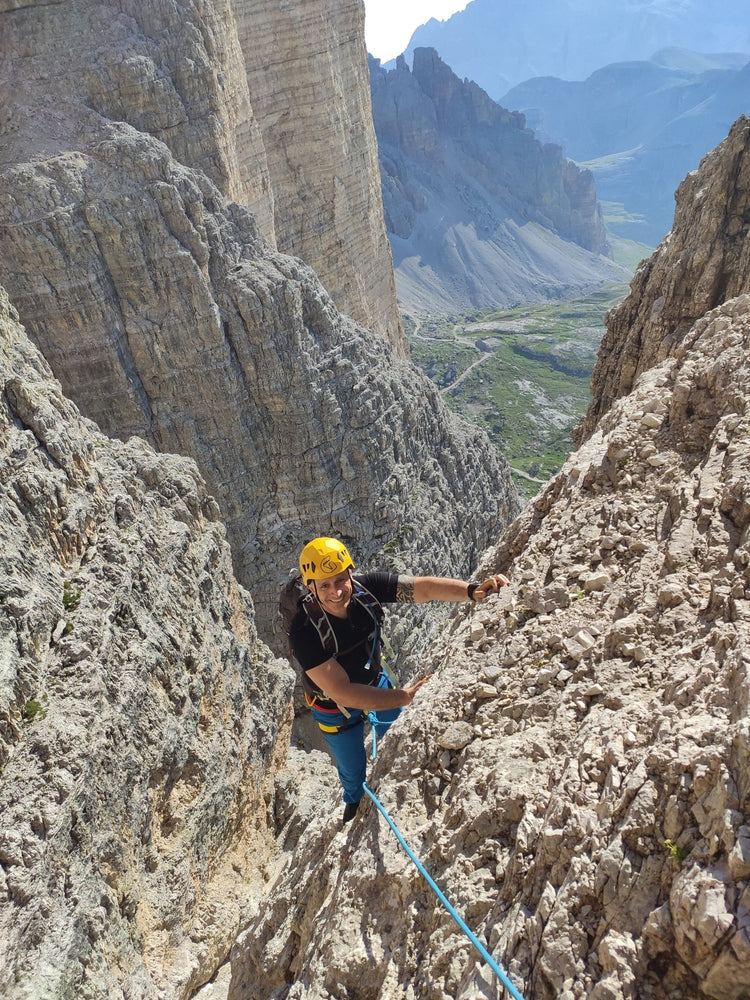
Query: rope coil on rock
pixel 436 889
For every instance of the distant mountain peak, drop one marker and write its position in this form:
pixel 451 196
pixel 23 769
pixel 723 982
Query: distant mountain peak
pixel 672 57
pixel 478 211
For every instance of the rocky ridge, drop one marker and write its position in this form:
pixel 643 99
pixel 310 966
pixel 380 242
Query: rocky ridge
pixel 703 260
pixel 142 722
pixel 479 213
pixel 576 774
pixel 165 312
pixel 199 78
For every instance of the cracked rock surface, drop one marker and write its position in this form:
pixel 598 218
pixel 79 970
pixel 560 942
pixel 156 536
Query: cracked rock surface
pixel 142 722
pixel 135 245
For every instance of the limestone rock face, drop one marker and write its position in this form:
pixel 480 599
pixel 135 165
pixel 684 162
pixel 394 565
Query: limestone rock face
pixel 167 70
pixel 142 722
pixel 478 211
pixel 308 79
pixel 701 263
pixel 575 776
pixel 198 77
pixel 590 823
pixel 165 313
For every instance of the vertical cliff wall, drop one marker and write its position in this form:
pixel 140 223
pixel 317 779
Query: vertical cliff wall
pixel 309 85
pixel 270 100
pixel 703 261
pixel 165 312
pixel 141 720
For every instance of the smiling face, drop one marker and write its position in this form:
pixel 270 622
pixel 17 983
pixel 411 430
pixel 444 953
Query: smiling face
pixel 334 594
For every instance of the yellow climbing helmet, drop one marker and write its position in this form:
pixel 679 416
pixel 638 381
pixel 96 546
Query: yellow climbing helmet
pixel 323 558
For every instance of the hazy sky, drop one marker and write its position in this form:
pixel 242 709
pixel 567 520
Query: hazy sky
pixel 389 24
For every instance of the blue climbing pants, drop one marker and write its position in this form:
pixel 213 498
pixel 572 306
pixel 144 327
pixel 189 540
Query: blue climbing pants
pixel 348 744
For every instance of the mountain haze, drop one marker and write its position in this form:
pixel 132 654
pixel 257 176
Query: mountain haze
pixel 499 44
pixel 640 126
pixel 637 92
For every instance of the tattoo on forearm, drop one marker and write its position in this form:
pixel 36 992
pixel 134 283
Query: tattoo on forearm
pixel 405 590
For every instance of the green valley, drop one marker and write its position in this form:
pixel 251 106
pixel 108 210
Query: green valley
pixel 522 374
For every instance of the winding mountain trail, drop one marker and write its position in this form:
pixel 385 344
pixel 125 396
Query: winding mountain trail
pixel 460 378
pixel 464 373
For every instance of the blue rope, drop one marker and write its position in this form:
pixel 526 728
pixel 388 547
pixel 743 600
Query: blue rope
pixel 374 721
pixel 433 885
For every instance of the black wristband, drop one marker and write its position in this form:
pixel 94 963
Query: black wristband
pixel 470 588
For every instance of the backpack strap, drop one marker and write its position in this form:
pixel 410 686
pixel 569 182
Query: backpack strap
pixel 320 622
pixel 375 609
pixel 322 625
pixel 368 600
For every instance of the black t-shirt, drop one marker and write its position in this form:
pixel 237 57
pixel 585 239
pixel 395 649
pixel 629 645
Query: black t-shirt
pixel 354 634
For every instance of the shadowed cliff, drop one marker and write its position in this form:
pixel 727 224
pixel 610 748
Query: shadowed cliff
pixel 479 213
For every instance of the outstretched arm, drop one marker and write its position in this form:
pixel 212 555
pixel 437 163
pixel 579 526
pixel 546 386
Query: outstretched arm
pixel 332 679
pixel 419 589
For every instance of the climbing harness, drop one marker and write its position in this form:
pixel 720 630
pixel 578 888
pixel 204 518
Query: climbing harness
pixel 295 596
pixel 435 888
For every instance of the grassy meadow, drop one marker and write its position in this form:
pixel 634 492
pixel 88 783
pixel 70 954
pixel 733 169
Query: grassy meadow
pixel 522 374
